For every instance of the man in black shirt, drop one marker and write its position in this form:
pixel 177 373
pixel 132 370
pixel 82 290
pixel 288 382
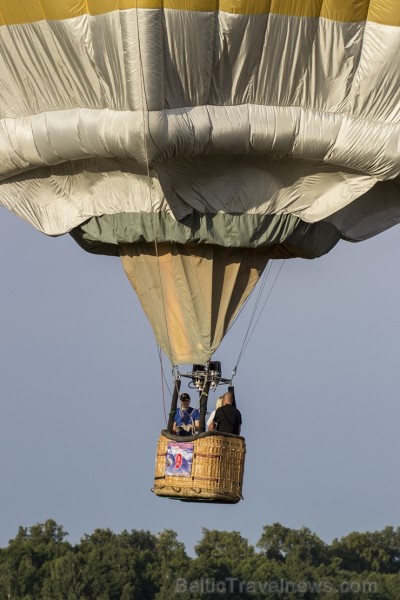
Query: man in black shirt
pixel 227 418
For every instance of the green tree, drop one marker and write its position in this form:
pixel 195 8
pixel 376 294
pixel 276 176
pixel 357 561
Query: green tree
pixel 64 579
pixel 173 563
pixel 25 563
pixel 119 567
pixel 39 564
pixel 221 556
pixel 293 545
pixel 377 551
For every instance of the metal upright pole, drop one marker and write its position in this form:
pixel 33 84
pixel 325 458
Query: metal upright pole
pixel 203 405
pixel 231 389
pixel 174 404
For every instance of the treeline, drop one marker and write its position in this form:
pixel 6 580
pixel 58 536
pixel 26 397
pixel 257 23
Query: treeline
pixel 39 563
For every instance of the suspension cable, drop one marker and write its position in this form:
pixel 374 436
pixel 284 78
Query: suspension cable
pixel 163 383
pixel 146 130
pixel 263 280
pixel 251 327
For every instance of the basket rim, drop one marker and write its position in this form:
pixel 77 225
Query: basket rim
pixel 197 436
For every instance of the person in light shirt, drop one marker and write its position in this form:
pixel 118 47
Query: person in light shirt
pixel 218 404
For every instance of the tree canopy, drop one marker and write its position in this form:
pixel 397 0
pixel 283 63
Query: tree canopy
pixel 40 564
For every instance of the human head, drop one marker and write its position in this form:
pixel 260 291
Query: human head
pixel 227 398
pixel 185 400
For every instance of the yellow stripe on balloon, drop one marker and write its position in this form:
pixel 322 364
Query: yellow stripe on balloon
pixel 29 11
pixel 386 12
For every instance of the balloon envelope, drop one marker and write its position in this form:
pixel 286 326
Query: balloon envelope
pixel 240 130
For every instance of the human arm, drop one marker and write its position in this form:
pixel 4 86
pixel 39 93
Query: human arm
pixel 210 419
pixel 175 423
pixel 195 417
pixel 215 422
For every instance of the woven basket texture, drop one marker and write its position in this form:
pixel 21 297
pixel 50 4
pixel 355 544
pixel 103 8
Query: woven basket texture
pixel 216 475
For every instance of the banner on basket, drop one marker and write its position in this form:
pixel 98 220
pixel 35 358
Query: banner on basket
pixel 179 459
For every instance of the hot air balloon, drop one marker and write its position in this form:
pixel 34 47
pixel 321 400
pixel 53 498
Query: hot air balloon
pixel 199 139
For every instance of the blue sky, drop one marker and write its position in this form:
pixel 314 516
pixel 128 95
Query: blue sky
pixel 82 404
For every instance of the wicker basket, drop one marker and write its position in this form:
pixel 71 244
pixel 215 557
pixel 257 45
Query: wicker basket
pixel 207 467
